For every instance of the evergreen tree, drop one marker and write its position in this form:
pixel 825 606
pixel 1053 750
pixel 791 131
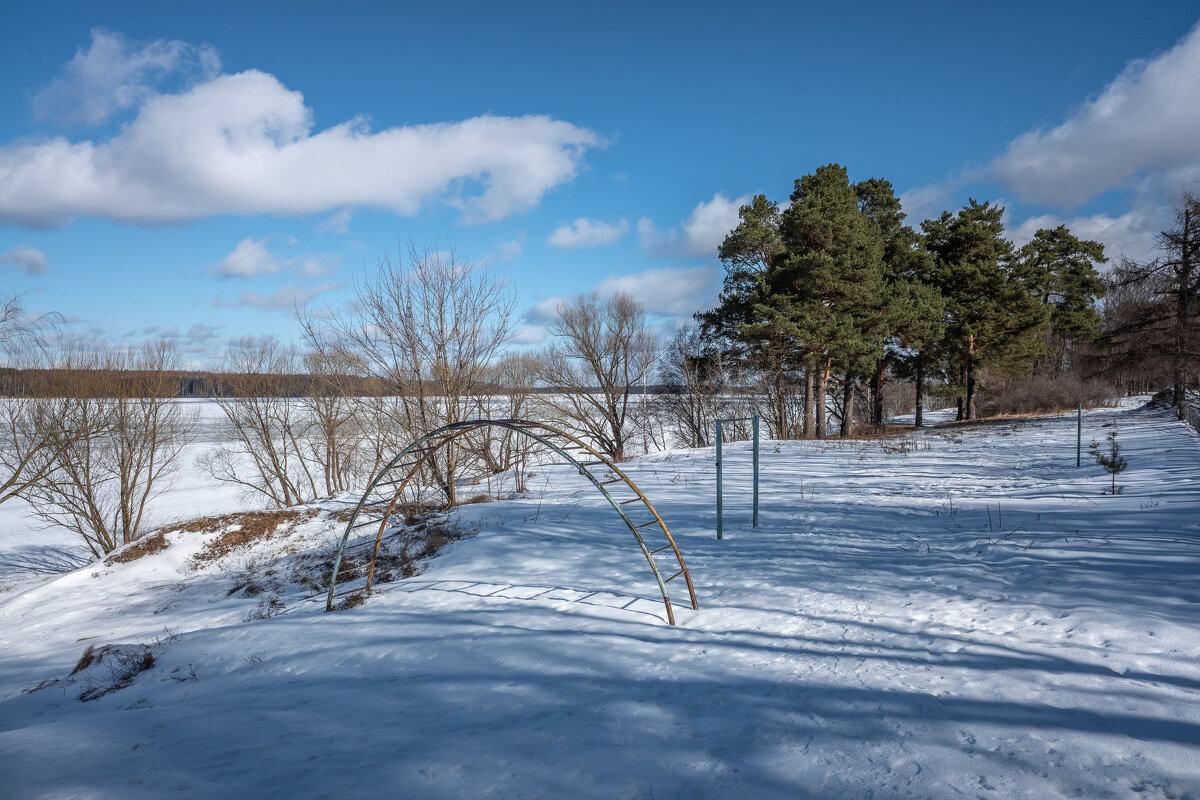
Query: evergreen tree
pixel 991 316
pixel 825 292
pixel 747 253
pixel 912 312
pixel 1112 461
pixel 1060 271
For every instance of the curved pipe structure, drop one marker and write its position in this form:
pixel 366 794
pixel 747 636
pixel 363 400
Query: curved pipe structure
pixel 388 485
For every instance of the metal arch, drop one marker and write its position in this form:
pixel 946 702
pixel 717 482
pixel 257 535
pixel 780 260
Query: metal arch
pixel 424 447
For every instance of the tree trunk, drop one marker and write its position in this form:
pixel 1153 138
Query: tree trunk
pixel 969 404
pixel 968 407
pixel 877 381
pixel 822 387
pixel 920 378
pixel 809 394
pixel 1182 313
pixel 847 405
pixel 781 405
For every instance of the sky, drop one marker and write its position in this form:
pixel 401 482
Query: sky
pixel 198 172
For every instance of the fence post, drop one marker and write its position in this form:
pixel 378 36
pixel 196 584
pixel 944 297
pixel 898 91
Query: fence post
pixel 755 525
pixel 719 532
pixel 1079 432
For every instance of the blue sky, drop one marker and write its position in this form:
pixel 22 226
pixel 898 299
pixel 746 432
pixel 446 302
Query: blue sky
pixel 193 172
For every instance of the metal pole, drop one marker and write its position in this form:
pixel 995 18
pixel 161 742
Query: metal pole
pixel 1079 432
pixel 719 532
pixel 755 470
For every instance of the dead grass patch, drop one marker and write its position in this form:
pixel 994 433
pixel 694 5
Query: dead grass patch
pixel 154 542
pixel 242 529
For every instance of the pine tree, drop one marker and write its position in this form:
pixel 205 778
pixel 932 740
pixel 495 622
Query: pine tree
pixel 1112 461
pixel 912 314
pixel 747 253
pixel 991 316
pixel 826 291
pixel 1060 271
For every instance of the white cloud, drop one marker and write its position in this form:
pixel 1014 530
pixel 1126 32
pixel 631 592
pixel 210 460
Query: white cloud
pixel 670 292
pixel 338 223
pixel 26 259
pixel 252 259
pixel 530 334
pixel 510 249
pixel 584 233
pixel 314 266
pixel 698 235
pixel 245 144
pixel 543 312
pixel 285 298
pixel 249 259
pixel 114 75
pixel 925 202
pixel 1131 234
pixel 1146 121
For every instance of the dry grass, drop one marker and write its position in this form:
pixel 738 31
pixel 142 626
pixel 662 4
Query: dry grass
pixel 154 542
pixel 242 530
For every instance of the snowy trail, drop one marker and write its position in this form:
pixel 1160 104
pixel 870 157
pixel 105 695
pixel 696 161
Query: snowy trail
pixel 963 616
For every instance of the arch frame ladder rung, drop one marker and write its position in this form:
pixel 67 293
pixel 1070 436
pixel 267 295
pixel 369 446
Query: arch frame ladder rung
pixel 428 445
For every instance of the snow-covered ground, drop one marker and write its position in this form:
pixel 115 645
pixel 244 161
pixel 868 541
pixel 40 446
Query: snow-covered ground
pixel 959 612
pixel 30 549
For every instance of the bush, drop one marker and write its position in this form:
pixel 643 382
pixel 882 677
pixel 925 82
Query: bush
pixel 1040 394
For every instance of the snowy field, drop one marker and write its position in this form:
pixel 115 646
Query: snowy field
pixel 955 613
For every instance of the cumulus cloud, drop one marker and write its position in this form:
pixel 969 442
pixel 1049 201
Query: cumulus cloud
pixel 584 233
pixel 252 259
pixel 114 74
pixel 249 259
pixel 530 334
pixel 338 223
pixel 26 259
pixel 1147 120
pixel 245 144
pixel 698 235
pixel 1130 234
pixel 669 292
pixel 285 298
pixel 510 249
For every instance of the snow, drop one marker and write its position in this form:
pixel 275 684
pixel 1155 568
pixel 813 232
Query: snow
pixel 959 612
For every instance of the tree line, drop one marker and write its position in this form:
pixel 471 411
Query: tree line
pixel 836 290
pixel 832 310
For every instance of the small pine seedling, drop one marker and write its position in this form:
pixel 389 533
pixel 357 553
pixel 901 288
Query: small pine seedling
pixel 1112 461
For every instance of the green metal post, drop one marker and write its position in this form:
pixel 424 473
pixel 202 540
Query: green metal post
pixel 719 532
pixel 1079 432
pixel 755 470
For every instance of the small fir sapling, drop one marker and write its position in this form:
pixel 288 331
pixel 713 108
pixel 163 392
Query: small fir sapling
pixel 1110 458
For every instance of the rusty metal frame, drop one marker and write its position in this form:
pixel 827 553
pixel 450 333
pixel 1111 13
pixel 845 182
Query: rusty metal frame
pixel 395 477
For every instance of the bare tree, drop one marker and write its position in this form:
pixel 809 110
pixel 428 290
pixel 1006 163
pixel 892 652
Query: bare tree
pixel 696 387
pixel 513 380
pixel 428 329
pixel 1175 278
pixel 100 485
pixel 33 418
pixel 263 432
pixel 603 351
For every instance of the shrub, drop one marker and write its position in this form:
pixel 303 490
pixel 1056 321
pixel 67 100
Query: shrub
pixel 1040 394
